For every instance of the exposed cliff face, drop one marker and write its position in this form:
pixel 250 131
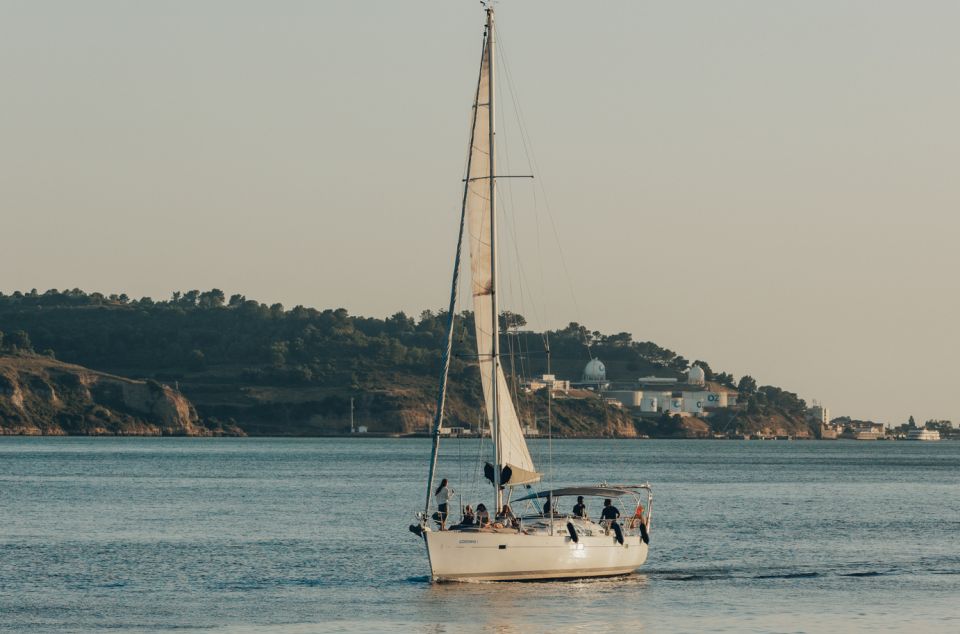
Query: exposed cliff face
pixel 42 396
pixel 771 424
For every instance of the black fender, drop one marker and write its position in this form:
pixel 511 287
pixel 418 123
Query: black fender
pixel 618 532
pixel 644 535
pixel 573 533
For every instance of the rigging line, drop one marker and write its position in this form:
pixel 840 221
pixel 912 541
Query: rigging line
pixel 531 157
pixel 523 283
pixel 504 123
pixel 476 463
pixel 549 411
pixel 505 64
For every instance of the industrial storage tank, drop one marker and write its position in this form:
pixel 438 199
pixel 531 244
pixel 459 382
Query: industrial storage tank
pixel 595 371
pixel 696 375
pixel 658 400
pixel 694 402
pixel 629 398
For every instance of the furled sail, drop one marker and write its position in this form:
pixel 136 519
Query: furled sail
pixel 514 455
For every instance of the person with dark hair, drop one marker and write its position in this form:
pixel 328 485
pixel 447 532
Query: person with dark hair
pixel 443 495
pixel 506 518
pixel 547 510
pixel 580 509
pixel 609 514
pixel 483 516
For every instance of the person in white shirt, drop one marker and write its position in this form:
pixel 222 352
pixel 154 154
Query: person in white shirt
pixel 443 495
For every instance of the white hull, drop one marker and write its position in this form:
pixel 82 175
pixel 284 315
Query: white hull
pixel 509 555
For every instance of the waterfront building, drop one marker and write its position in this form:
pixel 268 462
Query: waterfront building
pixel 694 397
pixel 548 381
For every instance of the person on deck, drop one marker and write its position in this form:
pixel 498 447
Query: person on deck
pixel 507 518
pixel 468 516
pixel 580 509
pixel 483 516
pixel 609 514
pixel 443 495
pixel 547 510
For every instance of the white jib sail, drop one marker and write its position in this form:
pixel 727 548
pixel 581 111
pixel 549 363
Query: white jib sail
pixel 513 446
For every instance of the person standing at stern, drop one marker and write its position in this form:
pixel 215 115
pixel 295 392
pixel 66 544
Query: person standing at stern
pixel 443 495
pixel 609 514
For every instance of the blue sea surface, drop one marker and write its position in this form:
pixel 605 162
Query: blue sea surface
pixel 310 535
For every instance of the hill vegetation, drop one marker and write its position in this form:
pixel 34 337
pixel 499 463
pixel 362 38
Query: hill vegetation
pixel 271 370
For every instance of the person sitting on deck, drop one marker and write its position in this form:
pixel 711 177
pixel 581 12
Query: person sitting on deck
pixel 468 516
pixel 580 509
pixel 483 516
pixel 547 509
pixel 609 514
pixel 507 518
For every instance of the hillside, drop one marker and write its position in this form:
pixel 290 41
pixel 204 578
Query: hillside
pixel 42 396
pixel 273 371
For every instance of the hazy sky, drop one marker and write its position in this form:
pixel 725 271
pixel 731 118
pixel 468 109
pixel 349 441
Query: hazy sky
pixel 770 186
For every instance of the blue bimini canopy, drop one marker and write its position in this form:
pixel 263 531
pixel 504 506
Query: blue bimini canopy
pixel 594 491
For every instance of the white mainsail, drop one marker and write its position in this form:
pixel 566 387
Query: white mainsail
pixel 513 447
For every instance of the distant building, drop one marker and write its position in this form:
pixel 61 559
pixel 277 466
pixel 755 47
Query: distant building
pixel 696 397
pixel 818 413
pixel 864 430
pixel 549 381
pixel 819 416
pixel 456 432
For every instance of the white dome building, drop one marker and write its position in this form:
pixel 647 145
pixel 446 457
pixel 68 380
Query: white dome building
pixel 696 376
pixel 595 371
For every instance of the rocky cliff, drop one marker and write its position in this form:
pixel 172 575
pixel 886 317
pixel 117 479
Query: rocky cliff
pixel 42 396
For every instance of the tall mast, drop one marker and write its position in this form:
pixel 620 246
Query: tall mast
pixel 451 314
pixel 495 326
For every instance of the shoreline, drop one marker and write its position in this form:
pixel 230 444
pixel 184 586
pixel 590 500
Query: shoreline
pixel 420 435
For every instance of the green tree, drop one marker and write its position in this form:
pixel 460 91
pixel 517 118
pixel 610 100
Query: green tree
pixel 20 340
pixel 621 339
pixel 190 298
pixel 214 298
pixel 747 385
pixel 510 320
pixel 725 378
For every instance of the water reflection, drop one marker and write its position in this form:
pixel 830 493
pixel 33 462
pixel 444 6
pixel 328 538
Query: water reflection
pixel 515 607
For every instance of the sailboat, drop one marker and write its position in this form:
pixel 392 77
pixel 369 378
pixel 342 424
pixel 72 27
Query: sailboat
pixel 538 541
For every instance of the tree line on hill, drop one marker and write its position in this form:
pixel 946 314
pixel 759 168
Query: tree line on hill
pixel 234 338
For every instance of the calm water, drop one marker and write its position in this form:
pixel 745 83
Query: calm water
pixel 250 535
